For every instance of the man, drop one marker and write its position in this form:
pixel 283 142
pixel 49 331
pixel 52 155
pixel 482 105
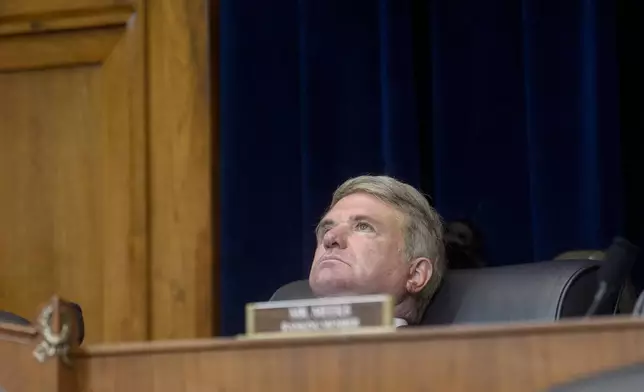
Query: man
pixel 380 236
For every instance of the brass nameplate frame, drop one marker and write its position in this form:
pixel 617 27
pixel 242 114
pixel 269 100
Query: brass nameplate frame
pixel 320 316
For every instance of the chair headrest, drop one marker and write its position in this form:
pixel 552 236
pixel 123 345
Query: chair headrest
pixel 524 292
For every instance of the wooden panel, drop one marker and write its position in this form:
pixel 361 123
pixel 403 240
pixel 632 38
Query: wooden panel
pixel 94 206
pixel 20 371
pixel 180 146
pixel 72 170
pixel 494 358
pixel 50 189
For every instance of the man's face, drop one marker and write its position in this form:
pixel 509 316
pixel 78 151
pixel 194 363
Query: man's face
pixel 360 249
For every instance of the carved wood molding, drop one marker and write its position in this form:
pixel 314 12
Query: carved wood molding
pixel 70 38
pixel 65 20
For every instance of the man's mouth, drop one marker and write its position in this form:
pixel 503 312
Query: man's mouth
pixel 331 259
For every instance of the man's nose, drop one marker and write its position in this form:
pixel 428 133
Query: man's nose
pixel 336 238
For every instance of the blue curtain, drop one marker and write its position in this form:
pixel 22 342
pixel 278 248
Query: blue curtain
pixel 526 123
pixel 630 31
pixel 505 112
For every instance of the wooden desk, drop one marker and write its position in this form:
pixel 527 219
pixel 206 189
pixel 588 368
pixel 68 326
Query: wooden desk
pixel 483 358
pixel 26 364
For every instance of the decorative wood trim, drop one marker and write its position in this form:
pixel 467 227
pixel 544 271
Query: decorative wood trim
pixel 66 20
pixel 125 147
pixel 17 333
pixel 440 333
pixel 72 48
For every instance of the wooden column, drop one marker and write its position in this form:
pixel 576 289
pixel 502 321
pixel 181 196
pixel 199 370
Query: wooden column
pixel 181 168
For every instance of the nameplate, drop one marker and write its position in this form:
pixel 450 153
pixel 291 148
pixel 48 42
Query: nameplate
pixel 319 316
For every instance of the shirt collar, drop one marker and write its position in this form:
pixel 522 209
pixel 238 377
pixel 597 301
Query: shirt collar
pixel 398 322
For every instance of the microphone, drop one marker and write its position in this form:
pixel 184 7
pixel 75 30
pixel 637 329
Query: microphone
pixel 612 274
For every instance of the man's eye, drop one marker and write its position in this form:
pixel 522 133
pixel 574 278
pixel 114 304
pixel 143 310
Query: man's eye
pixel 362 226
pixel 323 230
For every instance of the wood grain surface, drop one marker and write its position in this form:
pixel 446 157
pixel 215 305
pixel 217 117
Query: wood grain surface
pixel 471 358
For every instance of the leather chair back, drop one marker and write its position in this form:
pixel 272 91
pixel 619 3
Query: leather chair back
pixel 543 291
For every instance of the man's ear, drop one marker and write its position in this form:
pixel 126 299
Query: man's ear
pixel 420 271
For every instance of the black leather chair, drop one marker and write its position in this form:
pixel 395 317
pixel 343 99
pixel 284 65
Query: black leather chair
pixel 543 291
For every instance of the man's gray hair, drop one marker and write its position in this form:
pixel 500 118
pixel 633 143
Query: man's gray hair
pixel 423 225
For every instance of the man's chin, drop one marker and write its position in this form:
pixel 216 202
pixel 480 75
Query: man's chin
pixel 330 287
